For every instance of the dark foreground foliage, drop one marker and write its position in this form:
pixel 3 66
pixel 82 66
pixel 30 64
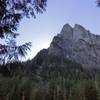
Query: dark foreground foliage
pixel 49 78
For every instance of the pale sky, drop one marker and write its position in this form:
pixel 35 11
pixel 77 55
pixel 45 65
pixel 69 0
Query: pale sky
pixel 40 31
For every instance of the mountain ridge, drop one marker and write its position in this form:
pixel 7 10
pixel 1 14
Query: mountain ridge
pixel 77 44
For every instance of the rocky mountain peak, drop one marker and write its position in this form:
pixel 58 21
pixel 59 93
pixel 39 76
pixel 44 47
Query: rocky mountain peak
pixel 79 32
pixel 67 31
pixel 77 44
pixel 77 26
pixel 66 28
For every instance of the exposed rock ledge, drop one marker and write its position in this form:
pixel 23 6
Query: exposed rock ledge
pixel 77 44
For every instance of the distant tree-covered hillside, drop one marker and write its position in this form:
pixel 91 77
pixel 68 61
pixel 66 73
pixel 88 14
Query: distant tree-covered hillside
pixel 48 77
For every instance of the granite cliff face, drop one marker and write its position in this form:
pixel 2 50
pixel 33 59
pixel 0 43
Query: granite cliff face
pixel 77 44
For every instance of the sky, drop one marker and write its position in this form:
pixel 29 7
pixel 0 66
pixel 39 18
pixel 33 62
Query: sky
pixel 40 31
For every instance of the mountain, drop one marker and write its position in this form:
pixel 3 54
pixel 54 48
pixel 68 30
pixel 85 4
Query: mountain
pixel 64 71
pixel 76 44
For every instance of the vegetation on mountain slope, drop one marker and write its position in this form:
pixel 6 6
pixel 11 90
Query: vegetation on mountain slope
pixel 49 78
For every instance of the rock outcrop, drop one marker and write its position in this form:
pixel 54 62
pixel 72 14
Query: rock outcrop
pixel 77 44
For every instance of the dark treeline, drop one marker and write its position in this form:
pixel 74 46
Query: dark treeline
pixel 51 78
